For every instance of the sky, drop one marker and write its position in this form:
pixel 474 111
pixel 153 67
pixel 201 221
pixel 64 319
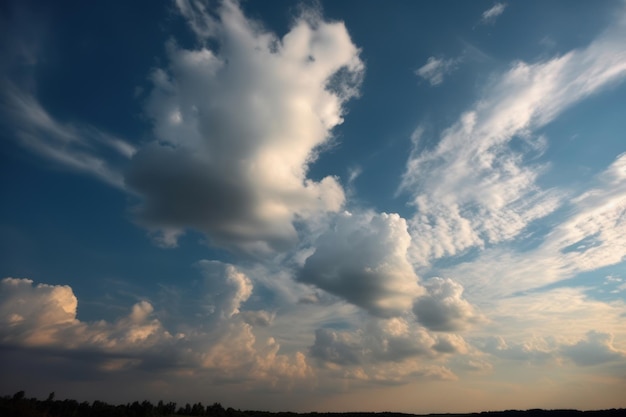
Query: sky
pixel 412 206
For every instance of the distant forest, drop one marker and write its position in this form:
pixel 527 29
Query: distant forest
pixel 17 405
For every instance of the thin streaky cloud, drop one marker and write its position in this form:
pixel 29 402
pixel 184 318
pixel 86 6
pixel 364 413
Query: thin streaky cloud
pixel 435 69
pixel 490 15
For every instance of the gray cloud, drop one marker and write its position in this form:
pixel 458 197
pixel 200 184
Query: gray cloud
pixel 341 348
pixel 387 340
pixel 443 307
pixel 362 259
pixel 595 349
pixel 535 352
pixel 384 351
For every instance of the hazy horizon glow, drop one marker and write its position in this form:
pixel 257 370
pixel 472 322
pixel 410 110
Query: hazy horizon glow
pixel 337 206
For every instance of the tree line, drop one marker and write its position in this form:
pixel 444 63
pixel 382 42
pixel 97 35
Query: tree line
pixel 17 405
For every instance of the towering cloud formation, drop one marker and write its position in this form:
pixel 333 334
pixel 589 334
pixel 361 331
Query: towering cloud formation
pixel 237 126
pixel 362 259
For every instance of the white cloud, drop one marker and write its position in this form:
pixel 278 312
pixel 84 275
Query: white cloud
pixel 435 69
pixel 490 15
pixel 79 147
pixel 474 188
pixel 363 259
pixel 45 315
pixel 238 126
pixel 538 326
pixel 589 237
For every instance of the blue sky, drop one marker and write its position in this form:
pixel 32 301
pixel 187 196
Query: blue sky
pixel 331 206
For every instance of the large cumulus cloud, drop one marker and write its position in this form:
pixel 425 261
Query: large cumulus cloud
pixel 237 126
pixel 362 259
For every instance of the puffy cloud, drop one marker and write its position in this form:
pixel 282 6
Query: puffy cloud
pixel 363 260
pixel 237 127
pixel 24 308
pixel 341 348
pixel 595 349
pixel 216 341
pixel 385 351
pixel 450 343
pixel 490 15
pixel 443 308
pixel 225 286
pixel 435 69
pixel 535 351
pixel 45 315
pixel 476 186
pixel 258 318
pixel 397 339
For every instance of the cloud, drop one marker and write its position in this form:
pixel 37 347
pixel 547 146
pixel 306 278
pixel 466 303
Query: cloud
pixel 79 147
pixel 384 351
pixel 593 235
pixel 443 308
pixel 23 307
pixel 595 349
pixel 478 185
pixel 490 15
pixel 590 236
pixel 341 348
pixel 435 69
pixel 226 288
pixel 237 127
pixel 45 316
pixel 362 259
pixel 536 351
pixel 216 341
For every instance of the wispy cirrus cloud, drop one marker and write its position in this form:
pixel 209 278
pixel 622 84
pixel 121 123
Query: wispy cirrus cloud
pixel 588 238
pixel 435 69
pixel 474 188
pixel 490 15
pixel 79 147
